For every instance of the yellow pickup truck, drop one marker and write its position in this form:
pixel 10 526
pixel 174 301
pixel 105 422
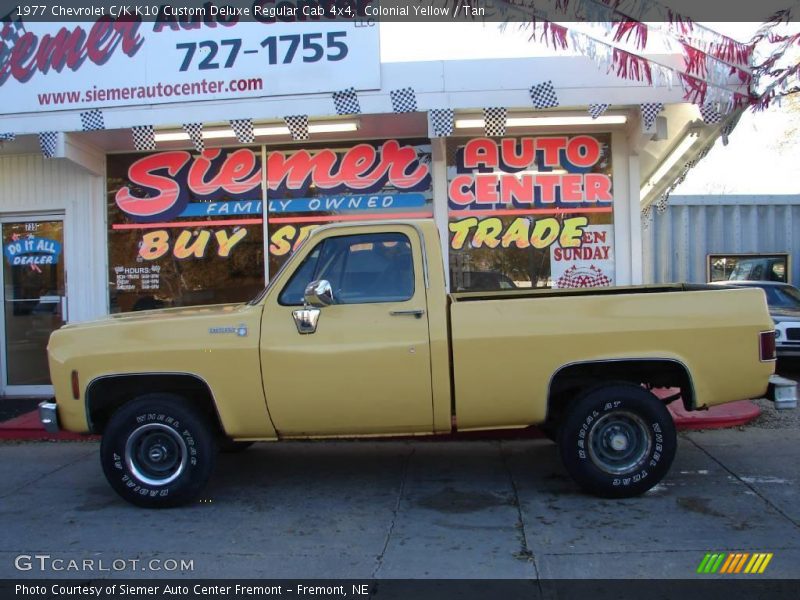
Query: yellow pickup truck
pixel 356 336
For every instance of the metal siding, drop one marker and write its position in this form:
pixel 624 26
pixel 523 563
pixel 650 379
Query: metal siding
pixel 679 239
pixel 32 184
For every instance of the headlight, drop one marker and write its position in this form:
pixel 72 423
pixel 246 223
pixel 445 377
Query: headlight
pixel 778 334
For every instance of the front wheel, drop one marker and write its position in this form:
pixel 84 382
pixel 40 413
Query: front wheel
pixel 158 451
pixel 617 441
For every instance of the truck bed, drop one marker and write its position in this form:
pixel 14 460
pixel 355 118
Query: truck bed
pixel 508 346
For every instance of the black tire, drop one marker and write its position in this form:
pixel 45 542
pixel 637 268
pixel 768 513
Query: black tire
pixel 158 451
pixel 617 441
pixel 229 446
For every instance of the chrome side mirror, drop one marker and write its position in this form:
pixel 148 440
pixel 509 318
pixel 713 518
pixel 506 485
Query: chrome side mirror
pixel 318 293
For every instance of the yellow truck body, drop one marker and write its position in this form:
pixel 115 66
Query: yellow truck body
pixel 423 363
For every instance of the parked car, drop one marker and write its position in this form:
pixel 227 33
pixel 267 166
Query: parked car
pixel 759 269
pixel 480 281
pixel 375 346
pixel 783 301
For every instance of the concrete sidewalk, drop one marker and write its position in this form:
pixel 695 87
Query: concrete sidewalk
pixel 412 509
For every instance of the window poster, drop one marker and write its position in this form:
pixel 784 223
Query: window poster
pixel 520 209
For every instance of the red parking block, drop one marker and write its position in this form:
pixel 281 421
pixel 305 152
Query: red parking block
pixel 28 427
pixel 731 414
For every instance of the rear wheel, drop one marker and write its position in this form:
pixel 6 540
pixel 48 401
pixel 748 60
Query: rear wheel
pixel 158 451
pixel 617 441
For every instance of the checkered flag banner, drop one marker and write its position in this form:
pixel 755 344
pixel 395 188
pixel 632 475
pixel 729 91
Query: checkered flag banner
pixel 597 110
pixel 726 131
pixel 48 140
pixel 243 128
pixel 582 277
pixel 662 203
pixel 649 113
pixel 404 100
pixel 195 131
pixel 441 122
pixel 11 28
pixel 346 102
pixel 8 137
pixel 298 126
pixel 92 120
pixel 494 119
pixel 144 137
pixel 710 114
pixel 544 95
pixel 647 214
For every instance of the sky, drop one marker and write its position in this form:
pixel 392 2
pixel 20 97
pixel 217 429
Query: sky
pixel 763 156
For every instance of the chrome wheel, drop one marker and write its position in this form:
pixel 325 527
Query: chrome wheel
pixel 619 442
pixel 156 454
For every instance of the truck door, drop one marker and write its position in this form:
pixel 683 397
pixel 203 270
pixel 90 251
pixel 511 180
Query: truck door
pixel 362 363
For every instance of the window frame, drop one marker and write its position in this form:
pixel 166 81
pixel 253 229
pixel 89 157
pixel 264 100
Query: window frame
pixel 321 243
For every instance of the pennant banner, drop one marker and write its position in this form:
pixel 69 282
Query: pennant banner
pixel 710 114
pixel 346 102
pixel 48 142
pixel 298 126
pixel 195 131
pixel 92 120
pixel 495 121
pixel 144 137
pixel 404 100
pixel 597 110
pixel 649 113
pixel 441 122
pixel 543 95
pixel 243 128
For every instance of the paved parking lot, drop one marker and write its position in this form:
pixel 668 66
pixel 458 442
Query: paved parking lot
pixel 478 509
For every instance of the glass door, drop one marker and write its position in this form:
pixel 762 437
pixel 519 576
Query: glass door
pixel 34 300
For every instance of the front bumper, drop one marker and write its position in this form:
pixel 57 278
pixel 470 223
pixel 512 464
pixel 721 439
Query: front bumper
pixel 48 416
pixel 783 392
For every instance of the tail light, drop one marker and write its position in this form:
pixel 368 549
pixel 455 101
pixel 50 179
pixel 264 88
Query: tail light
pixel 76 386
pixel 767 345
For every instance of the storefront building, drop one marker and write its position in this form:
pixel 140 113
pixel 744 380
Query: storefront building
pixel 131 183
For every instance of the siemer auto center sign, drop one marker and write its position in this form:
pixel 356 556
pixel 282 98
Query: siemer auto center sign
pixel 175 56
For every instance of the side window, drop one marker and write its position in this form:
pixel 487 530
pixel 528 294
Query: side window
pixel 376 267
pixel 292 294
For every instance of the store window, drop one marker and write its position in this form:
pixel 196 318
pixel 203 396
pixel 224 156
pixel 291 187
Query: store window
pixel 748 267
pixel 187 228
pixel 530 212
pixel 184 228
pixel 316 185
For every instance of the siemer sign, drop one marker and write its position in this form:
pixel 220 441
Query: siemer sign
pixel 125 61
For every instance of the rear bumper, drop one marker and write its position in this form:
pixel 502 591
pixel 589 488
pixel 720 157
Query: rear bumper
pixel 783 392
pixel 48 416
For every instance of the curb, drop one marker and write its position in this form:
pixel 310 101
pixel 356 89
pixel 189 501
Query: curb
pixel 27 427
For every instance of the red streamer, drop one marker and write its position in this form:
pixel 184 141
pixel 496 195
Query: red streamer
pixel 630 66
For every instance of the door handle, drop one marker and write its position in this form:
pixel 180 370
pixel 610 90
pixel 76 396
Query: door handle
pixel 306 320
pixel 406 313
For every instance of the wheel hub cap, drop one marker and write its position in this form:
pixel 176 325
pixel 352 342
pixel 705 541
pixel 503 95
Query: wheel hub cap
pixel 619 442
pixel 156 454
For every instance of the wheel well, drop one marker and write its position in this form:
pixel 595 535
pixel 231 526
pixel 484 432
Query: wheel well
pixel 105 395
pixel 573 379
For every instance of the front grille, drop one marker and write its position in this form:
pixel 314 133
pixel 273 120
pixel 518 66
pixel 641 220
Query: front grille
pixel 793 333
